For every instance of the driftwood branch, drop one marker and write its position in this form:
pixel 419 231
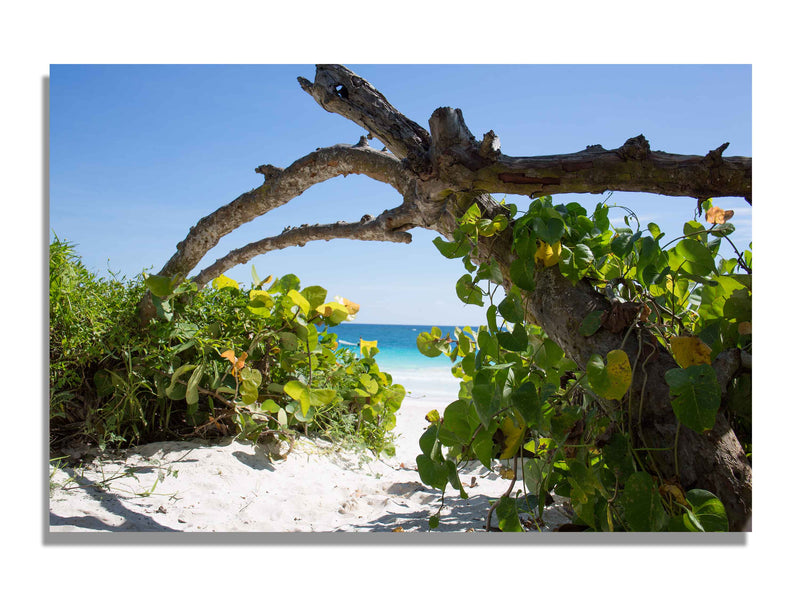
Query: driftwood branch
pixel 281 186
pixel 388 227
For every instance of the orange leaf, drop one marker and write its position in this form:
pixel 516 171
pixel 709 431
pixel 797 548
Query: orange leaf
pixel 718 216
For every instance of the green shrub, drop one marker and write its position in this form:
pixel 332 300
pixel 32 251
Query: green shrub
pixel 217 361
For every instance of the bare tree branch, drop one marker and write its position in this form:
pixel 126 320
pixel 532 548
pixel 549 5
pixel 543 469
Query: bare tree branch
pixel 279 187
pixel 388 227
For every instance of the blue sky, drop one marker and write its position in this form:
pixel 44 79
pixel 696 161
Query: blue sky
pixel 138 154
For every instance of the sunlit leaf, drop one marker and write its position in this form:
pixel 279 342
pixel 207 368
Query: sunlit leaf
pixel 223 282
pixel 300 301
pixel 369 349
pixel 300 392
pixel 718 216
pixel 690 350
pixel 513 433
pixel 610 381
pixel 433 416
pixel 548 255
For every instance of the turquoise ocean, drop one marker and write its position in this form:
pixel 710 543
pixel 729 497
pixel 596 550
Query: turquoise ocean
pixel 425 379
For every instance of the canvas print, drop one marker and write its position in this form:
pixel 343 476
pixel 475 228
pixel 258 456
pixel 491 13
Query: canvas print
pixel 479 300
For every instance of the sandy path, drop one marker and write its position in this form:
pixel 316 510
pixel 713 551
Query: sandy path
pixel 236 487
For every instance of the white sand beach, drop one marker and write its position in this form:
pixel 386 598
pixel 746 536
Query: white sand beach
pixel 235 486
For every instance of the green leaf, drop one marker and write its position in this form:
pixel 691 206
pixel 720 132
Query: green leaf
pixel 322 396
pixel 642 504
pixel 191 386
pixel 511 308
pixel 610 381
pixel 300 392
pixel 270 406
pixel 591 323
pixel 507 515
pixel 261 303
pixel 708 510
pixel 698 258
pixel 427 343
pixel 549 230
pixel 454 249
pixel 432 473
pixel 696 396
pixel 527 401
pixel 173 386
pixel 315 295
pixel 159 285
pixel 300 301
pixel 516 341
pixel 468 292
pixel 522 273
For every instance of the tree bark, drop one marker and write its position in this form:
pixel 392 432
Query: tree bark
pixel 439 174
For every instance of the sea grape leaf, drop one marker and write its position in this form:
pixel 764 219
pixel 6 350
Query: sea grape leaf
pixel 511 309
pixel 516 341
pixel 689 350
pixel 591 323
pixel 432 473
pixel 642 504
pixel 527 401
pixel 222 281
pixel 300 301
pixel 698 258
pixel 368 348
pixel 522 274
pixel 159 285
pixel 718 216
pixel 191 386
pixel 507 515
pixel 696 396
pixel 427 344
pixel 315 295
pixel 454 249
pixel 261 303
pixel 611 381
pixel 334 312
pixel 322 396
pixel 708 509
pixel 513 432
pixel 300 392
pixel 468 292
pixel 548 255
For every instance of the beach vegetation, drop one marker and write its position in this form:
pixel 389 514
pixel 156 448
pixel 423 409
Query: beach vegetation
pixel 258 363
pixel 576 431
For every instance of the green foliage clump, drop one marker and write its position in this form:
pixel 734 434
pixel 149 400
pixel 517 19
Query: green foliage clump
pixel 218 361
pixel 522 399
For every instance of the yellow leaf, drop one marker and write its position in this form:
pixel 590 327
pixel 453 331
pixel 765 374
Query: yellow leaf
pixel 506 473
pixel 548 255
pixel 366 348
pixel 512 437
pixel 718 216
pixel 351 307
pixel 223 282
pixel 619 373
pixel 673 491
pixel 398 530
pixel 690 350
pixel 433 416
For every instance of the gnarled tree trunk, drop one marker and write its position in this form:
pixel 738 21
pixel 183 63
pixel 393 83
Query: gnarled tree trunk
pixel 439 173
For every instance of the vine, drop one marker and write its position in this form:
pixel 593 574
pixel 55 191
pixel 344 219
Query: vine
pixel 571 432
